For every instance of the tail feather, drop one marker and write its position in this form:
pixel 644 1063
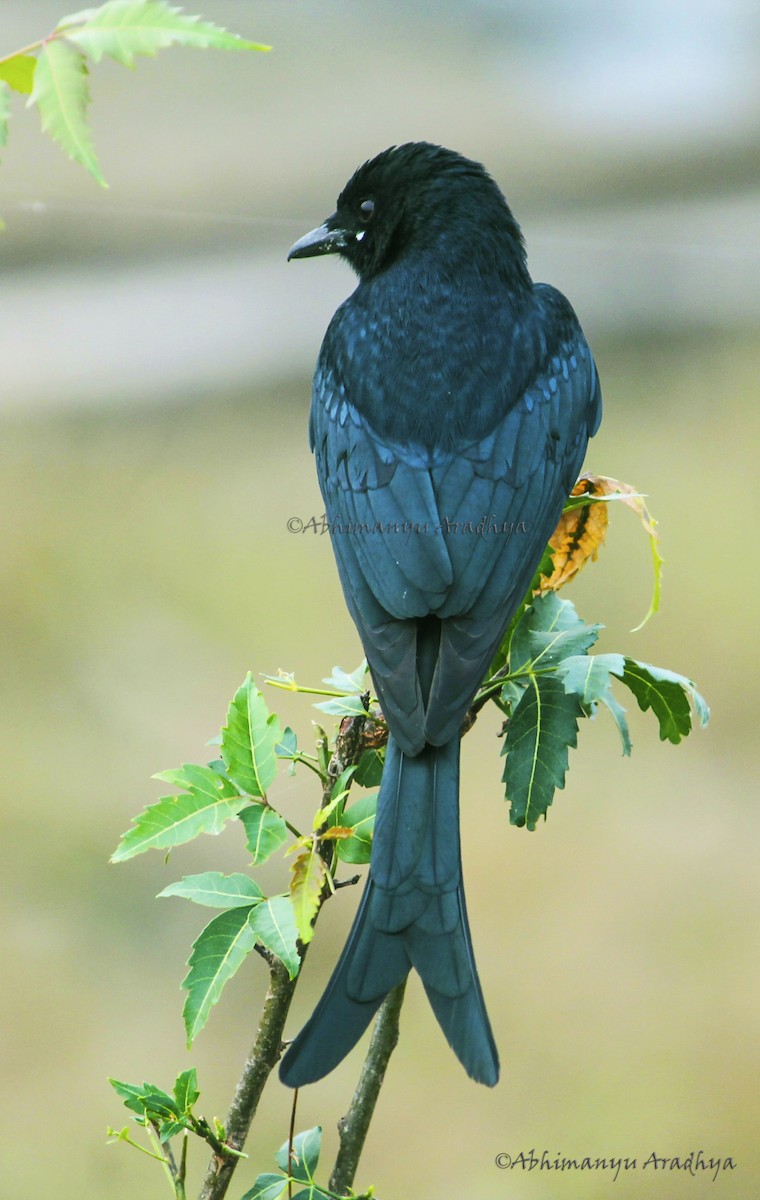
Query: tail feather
pixel 412 914
pixel 372 963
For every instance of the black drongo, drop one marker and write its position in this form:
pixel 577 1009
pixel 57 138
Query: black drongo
pixel 450 391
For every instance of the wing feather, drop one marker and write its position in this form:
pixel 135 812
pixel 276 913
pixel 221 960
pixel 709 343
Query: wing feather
pixel 421 532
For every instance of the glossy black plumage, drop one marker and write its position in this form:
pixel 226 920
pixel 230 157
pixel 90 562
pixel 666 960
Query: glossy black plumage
pixel 455 397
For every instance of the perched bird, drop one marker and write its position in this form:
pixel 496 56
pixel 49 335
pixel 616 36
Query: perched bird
pixel 449 388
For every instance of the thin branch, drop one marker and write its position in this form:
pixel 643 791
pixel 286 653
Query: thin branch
pixel 353 1128
pixel 354 736
pixel 341 883
pixel 259 1065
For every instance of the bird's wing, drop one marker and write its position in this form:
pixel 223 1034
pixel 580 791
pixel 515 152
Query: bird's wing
pixel 515 483
pixel 393 564
pixel 455 535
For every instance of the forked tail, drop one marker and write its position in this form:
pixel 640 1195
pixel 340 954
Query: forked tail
pixel 412 914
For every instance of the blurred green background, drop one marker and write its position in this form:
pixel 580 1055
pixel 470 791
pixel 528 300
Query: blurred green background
pixel 156 353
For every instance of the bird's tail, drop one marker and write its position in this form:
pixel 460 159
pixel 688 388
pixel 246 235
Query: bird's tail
pixel 412 914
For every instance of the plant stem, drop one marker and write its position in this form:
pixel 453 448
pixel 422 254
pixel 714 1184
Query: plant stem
pixel 259 1064
pixel 353 1128
pixel 33 47
pixel 25 50
pixel 267 1047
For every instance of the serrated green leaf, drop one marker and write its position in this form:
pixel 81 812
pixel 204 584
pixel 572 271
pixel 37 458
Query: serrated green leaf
pixel 343 706
pixel 304 1160
pixel 542 728
pixel 62 96
pixel 249 740
pixel 210 802
pixel 215 890
pixel 130 1093
pixel 18 72
pixel 173 821
pixel 186 1090
pixel 274 925
pixel 267 1187
pixel 217 953
pixel 588 677
pixel 360 817
pixel 145 1099
pixel 265 831
pixel 194 777
pixel 307 876
pixel 548 631
pixel 668 695
pixel 123 29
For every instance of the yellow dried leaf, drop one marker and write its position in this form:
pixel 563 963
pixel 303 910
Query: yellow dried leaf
pixel 583 526
pixel 307 876
pixel 579 535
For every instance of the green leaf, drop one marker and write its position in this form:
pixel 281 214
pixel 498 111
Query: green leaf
pixel 511 694
pixel 274 925
pixel 549 630
pixel 348 681
pixel 313 1193
pixel 361 818
pixel 215 890
pixel 303 1163
pixel 265 831
pixel 267 1187
pixel 545 567
pixel 217 953
pixel 186 1090
pixel 369 771
pixel 61 94
pixel 668 695
pixel 210 802
pixel 620 719
pixel 343 706
pixel 125 28
pixel 338 793
pixel 249 739
pixel 287 747
pixel 588 677
pixel 194 777
pixel 145 1099
pixel 169 1129
pixel 18 72
pixel 542 728
pixel 307 876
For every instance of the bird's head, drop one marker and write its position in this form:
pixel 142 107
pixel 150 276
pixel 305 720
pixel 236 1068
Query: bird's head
pixel 413 198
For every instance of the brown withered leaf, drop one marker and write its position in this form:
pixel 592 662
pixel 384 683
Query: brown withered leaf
pixel 336 833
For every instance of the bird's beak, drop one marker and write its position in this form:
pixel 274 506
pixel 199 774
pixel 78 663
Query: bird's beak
pixel 327 239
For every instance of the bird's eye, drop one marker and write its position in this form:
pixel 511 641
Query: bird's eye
pixel 366 209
